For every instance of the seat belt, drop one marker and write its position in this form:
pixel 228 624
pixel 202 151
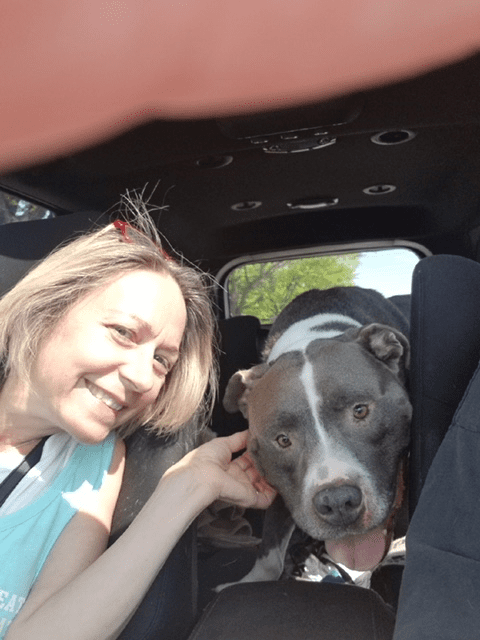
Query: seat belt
pixel 14 477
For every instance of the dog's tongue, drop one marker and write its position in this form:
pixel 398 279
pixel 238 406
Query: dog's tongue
pixel 362 552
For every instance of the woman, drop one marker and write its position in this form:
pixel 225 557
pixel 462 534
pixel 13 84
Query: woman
pixel 106 334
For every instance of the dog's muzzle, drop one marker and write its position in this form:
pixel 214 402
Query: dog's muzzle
pixel 339 505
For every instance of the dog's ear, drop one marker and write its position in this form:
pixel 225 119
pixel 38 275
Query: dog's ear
pixel 239 386
pixel 388 345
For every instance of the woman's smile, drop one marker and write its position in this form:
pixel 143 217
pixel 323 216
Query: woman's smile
pixel 104 396
pixel 117 345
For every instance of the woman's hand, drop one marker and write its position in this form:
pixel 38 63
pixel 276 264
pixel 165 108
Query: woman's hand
pixel 235 481
pixel 111 586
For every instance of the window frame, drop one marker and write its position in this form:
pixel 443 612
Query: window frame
pixel 308 252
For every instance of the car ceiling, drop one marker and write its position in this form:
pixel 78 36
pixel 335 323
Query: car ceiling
pixel 228 191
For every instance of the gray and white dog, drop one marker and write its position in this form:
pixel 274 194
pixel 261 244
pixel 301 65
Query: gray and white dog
pixel 329 419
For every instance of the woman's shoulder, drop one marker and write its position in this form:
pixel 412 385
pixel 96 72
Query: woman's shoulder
pixel 100 503
pixel 92 462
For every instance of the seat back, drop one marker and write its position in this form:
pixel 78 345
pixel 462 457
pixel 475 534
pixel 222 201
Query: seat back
pixel 169 609
pixel 23 244
pixel 445 341
pixel 240 339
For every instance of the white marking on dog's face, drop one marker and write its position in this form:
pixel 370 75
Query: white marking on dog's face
pixel 332 463
pixel 314 399
pixel 299 335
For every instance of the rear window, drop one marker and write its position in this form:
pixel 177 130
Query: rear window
pixel 263 289
pixel 14 209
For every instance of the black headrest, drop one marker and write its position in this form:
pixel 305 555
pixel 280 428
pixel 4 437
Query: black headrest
pixel 445 340
pixel 239 349
pixel 23 244
pixel 403 303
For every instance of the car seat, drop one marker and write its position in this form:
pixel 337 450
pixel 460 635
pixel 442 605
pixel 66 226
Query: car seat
pixel 168 610
pixel 240 347
pixel 440 592
pixel 445 346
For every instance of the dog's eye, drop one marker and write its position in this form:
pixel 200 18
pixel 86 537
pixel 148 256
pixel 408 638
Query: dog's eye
pixel 360 411
pixel 284 441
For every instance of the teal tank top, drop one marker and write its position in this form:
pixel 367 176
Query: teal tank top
pixel 28 535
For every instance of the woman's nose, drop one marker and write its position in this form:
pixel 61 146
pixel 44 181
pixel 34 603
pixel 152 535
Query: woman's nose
pixel 138 371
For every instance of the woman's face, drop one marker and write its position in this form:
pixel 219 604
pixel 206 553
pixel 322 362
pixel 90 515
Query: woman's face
pixel 107 358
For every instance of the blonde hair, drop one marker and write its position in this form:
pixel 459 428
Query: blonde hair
pixel 31 310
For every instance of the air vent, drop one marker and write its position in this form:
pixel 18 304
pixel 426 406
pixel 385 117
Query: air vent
pixel 379 189
pixel 396 136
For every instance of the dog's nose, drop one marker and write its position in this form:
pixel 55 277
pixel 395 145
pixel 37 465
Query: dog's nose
pixel 339 505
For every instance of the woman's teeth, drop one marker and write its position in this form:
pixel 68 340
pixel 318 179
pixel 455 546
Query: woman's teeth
pixel 104 397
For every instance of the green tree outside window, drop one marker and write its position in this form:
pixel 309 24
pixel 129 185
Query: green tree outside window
pixel 263 289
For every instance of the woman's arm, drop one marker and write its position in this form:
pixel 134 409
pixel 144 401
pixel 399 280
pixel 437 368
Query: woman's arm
pixel 71 600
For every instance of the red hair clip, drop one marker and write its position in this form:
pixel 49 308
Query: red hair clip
pixel 166 256
pixel 122 226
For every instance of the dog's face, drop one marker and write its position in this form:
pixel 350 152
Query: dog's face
pixel 328 429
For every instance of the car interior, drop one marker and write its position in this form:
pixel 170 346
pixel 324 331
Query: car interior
pixel 392 167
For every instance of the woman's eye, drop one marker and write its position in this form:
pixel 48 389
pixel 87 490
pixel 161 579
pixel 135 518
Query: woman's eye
pixel 360 411
pixel 123 332
pixel 164 364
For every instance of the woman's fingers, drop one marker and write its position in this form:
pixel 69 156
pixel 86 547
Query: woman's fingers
pixel 237 481
pixel 244 470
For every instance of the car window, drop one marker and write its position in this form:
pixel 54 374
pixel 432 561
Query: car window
pixel 14 209
pixel 264 288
